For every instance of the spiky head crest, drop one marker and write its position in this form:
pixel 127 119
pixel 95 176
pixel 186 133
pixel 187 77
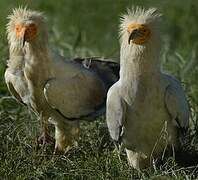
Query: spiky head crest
pixel 139 15
pixel 22 15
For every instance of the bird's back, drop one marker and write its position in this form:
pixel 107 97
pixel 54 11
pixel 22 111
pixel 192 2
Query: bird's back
pixel 99 72
pixel 107 70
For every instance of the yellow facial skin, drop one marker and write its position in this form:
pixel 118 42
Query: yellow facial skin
pixel 139 33
pixel 28 31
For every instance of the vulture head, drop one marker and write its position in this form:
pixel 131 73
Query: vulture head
pixel 140 27
pixel 26 26
pixel 140 36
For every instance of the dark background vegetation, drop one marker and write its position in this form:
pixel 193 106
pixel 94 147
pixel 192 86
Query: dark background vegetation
pixel 90 28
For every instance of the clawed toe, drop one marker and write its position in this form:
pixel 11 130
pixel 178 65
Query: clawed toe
pixel 45 138
pixel 58 151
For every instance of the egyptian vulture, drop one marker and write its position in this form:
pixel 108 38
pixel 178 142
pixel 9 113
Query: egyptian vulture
pixel 59 91
pixel 146 109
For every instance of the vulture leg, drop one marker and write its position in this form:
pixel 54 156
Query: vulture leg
pixel 45 137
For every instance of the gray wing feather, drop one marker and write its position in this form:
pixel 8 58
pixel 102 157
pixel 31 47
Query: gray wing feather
pixel 177 104
pixel 115 113
pixel 75 97
pixel 107 70
pixel 13 83
pixel 14 93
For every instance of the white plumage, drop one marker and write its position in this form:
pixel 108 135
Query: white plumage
pixel 146 109
pixel 56 90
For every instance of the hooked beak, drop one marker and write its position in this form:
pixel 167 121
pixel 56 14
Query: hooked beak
pixel 24 36
pixel 20 33
pixel 26 33
pixel 134 34
pixel 24 40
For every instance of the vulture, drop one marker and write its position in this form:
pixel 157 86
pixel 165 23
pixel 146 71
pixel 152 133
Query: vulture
pixel 147 110
pixel 58 90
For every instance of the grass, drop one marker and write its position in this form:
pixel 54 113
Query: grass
pixel 87 28
pixel 95 157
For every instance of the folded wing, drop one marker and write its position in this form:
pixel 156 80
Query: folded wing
pixel 77 96
pixel 176 104
pixel 115 113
